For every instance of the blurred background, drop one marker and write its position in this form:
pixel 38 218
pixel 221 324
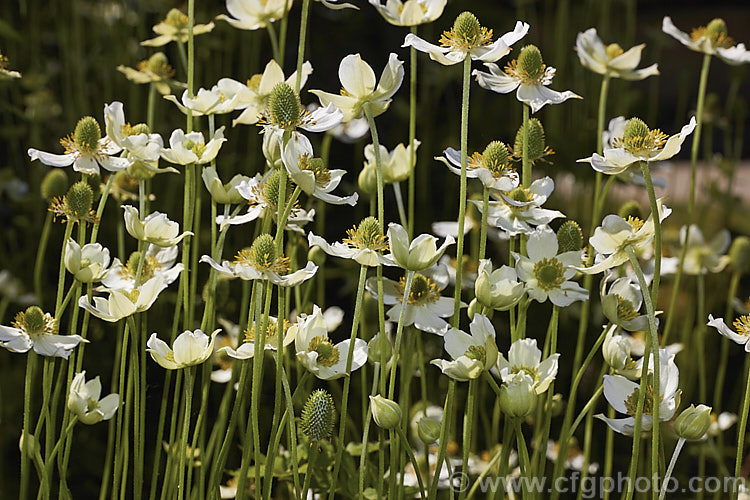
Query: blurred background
pixel 68 52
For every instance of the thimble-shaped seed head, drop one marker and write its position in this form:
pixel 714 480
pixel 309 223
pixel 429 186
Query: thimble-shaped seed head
pixel 569 237
pixel 318 415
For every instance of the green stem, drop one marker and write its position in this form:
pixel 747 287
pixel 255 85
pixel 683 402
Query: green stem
pixel 672 462
pixel 542 443
pixel 39 261
pixel 526 163
pixel 742 428
pixel 399 333
pixel 412 133
pixel 721 371
pixel 312 454
pixel 443 440
pixel 400 204
pixel 656 218
pixel 523 454
pixel 378 162
pixel 462 189
pixel 28 382
pixel 366 432
pixel 691 200
pixel 182 450
pixel 466 440
pixel 274 42
pixel 301 45
pixel 412 459
pixel 586 409
pixel 483 227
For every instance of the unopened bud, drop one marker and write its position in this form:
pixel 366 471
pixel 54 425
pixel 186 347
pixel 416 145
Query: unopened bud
pixel 693 422
pixel 739 254
pixel 368 180
pixel 428 430
pixel 517 396
pixel 386 412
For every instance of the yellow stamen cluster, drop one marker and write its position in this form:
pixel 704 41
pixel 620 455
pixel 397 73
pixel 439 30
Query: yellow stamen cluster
pixel 158 66
pixel 196 147
pixel 631 403
pixel 742 325
pixel 549 273
pixel 317 166
pixel 85 138
pixel 716 32
pixel 423 290
pixel 521 195
pixel 625 309
pixel 635 222
pixel 476 352
pixel 3 61
pixel 613 50
pixel 529 370
pixel 367 235
pixel 638 138
pixel 328 354
pixel 466 33
pixel 271 330
pixel 262 256
pixel 150 266
pixel 177 19
pixel 34 322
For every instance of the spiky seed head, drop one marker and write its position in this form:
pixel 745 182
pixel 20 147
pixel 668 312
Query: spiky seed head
pixel 34 320
pixel 634 129
pixel 318 415
pixel 739 253
pixel 54 184
pixel 716 30
pixel 284 106
pixel 569 237
pixel 79 199
pixel 630 209
pixel 140 128
pixel 87 134
pixel 495 156
pixel 537 142
pixel 263 251
pixel 467 27
pixel 530 63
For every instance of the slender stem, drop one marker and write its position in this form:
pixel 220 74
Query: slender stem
pixel 400 204
pixel 507 447
pixel 412 133
pixel 182 450
pixel 378 162
pixel 25 455
pixel 462 189
pixel 466 440
pixel 672 462
pixel 443 440
pixel 302 40
pixel 412 459
pixel 721 371
pixel 366 432
pixel 399 333
pixel 525 163
pixel 586 409
pixel 151 106
pixel 550 394
pixel 348 378
pixel 312 454
pixel 523 454
pixel 39 261
pixel 274 42
pixel 656 218
pixel 691 200
pixel 742 428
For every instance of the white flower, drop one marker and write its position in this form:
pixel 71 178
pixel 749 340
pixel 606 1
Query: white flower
pixel 139 146
pixel 615 234
pixel 621 303
pixel 226 194
pixel 492 171
pixel 86 150
pixel 246 349
pixel 311 174
pixel 425 306
pixel 529 75
pixel 359 86
pixel 409 12
pixel 547 274
pixel 364 244
pixel 711 39
pixel 622 394
pixel 87 264
pixel 84 402
pixel 701 257
pixel 334 5
pixel 224 97
pixel 636 144
pixel 316 351
pixel 468 39
pixel 617 350
pixel 742 324
pixel 519 209
pixel 417 254
pixel 472 354
pixel 254 14
pixel 36 329
pixel 722 422
pixel 175 28
pixel 123 303
pixel 6 74
pixel 190 348
pixel 611 60
pixel 499 289
pixel 525 357
pixel 160 261
pixel 396 165
pixel 350 131
pixel 191 148
pixel 156 70
pixel 156 228
pixel 254 101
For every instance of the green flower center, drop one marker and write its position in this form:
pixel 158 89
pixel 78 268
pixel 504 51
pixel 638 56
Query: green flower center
pixel 569 237
pixel 631 403
pixel 86 135
pixel 536 145
pixel 495 158
pixel 149 269
pixel 284 108
pixel 328 354
pixel 528 370
pixel 271 330
pixel 466 33
pixel 262 256
pixel 549 273
pixel 317 166
pixel 639 139
pixel 34 322
pixel 176 19
pixel 521 195
pixel 625 309
pixel 423 290
pixel 367 235
pixel 530 65
pixel 716 32
pixel 613 50
pixel 196 147
pixel 476 352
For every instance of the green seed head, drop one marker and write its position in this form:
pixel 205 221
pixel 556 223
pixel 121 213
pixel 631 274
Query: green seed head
pixel 79 199
pixel 263 251
pixel 271 188
pixel 467 27
pixel 157 62
pixel 569 237
pixel 536 142
pixel 54 184
pixel 716 31
pixel 176 19
pixel 284 108
pixel 530 63
pixel 495 157
pixel 630 209
pixel 140 128
pixel 739 253
pixel 87 134
pixel 318 415
pixel 34 320
pixel 635 129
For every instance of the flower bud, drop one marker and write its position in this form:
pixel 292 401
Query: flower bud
pixel 569 237
pixel 530 63
pixel 375 348
pixel 630 209
pixel 739 254
pixel 317 256
pixel 517 396
pixel 537 142
pixel 428 430
pixel 368 180
pixel 318 415
pixel 272 151
pixel 79 199
pixel 87 134
pixel 466 27
pixel 475 307
pixel 54 184
pixel 386 412
pixel 284 107
pixel 693 422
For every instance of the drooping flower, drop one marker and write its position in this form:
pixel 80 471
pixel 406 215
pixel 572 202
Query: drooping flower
pixel 548 274
pixel 621 303
pixel 741 324
pixel 123 303
pixel 156 228
pixel 359 86
pixel 33 328
pixel 529 75
pixel 425 307
pixel 311 174
pixel 617 350
pixel 189 349
pixel 701 257
pixel 409 12
pixel 615 234
pixel 417 254
pixel 316 351
pixel 87 264
pixel 525 357
pixel 468 38
pixel 622 394
pixel 364 244
pixel 499 289
pixel 521 208
pixel 254 14
pixel 154 70
pixel 396 164
pixel 85 403
pixel 174 28
pixel 191 148
pixel 472 354
pixel 611 60
pixel 710 39
pixel 86 150
pixel 136 140
pixel 159 261
pixel 638 143
pixel 226 194
pixel 492 166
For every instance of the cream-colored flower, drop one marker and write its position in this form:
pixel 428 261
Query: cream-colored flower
pixel 88 263
pixel 224 97
pixel 492 166
pixel 710 39
pixel 144 147
pixel 160 261
pixel 189 349
pixel 123 303
pixel 417 254
pixel 156 228
pixel 254 14
pixel 472 354
pixel 358 86
pixel 84 402
pixel 174 28
pixel 611 60
pixel 621 303
pixel 5 73
pixel 525 357
pixel 191 148
pixel 36 329
pixel 499 289
pixel 409 12
pixel 156 70
pixel 226 194
pixel 364 244
pixel 701 257
pixel 396 164
pixel 741 324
